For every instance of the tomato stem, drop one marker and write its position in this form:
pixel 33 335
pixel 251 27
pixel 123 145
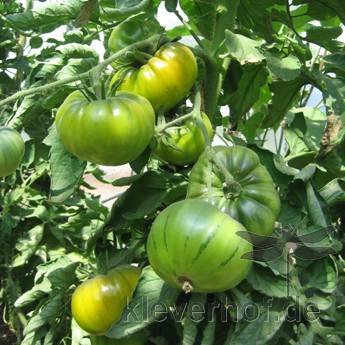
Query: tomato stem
pixel 102 65
pixel 187 287
pixel 231 187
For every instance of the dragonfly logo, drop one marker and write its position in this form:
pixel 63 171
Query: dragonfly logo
pixel 305 247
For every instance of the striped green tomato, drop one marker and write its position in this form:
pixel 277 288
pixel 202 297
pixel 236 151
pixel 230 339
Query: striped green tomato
pixel 193 246
pixel 257 205
pixel 11 150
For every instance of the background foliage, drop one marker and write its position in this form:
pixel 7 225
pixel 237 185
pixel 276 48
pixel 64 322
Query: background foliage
pixel 272 77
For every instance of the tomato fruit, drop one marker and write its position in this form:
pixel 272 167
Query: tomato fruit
pixel 138 338
pixel 98 302
pixel 258 204
pixel 165 80
pixel 193 244
pixel 189 138
pixel 131 31
pixel 114 131
pixel 11 150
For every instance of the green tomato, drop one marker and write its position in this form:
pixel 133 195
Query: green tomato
pixel 165 80
pixel 98 302
pixel 11 150
pixel 138 338
pixel 131 31
pixel 114 131
pixel 189 138
pixel 258 204
pixel 193 246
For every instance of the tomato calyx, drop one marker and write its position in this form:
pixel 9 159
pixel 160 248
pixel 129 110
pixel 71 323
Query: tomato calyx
pixel 232 191
pixel 187 284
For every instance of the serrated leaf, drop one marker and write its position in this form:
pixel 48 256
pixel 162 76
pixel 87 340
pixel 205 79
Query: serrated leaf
pixel 286 69
pixel 264 280
pixel 66 168
pixel 322 274
pixel 203 14
pixel 28 243
pixel 243 49
pixel 190 329
pixel 324 37
pixel 47 15
pixel 284 96
pixel 151 292
pixel 335 63
pixel 262 328
pixel 318 208
pixel 254 15
pixel 47 314
pixel 145 195
pixel 248 91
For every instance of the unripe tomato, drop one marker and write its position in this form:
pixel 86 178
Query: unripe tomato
pixel 138 338
pixel 165 80
pixel 258 204
pixel 11 150
pixel 193 246
pixel 187 137
pixel 114 131
pixel 131 31
pixel 98 302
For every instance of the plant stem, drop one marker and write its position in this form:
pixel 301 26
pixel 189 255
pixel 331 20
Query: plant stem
pixel 97 69
pixel 225 20
pixel 120 14
pixel 217 66
pixel 192 32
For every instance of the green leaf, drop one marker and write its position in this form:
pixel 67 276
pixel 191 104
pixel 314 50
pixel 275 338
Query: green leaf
pixel 268 160
pixel 30 108
pixel 66 168
pixel 28 243
pixel 289 214
pixel 262 328
pixel 286 69
pixel 323 36
pixel 46 315
pixel 248 91
pixel 151 297
pixel 326 9
pixel 190 329
pixel 254 15
pixel 209 333
pixel 322 274
pixel 76 51
pixel 284 96
pixel 203 14
pixel 335 63
pixel 145 195
pixel 243 49
pixel 318 208
pixel 334 194
pixel 47 15
pixel 264 280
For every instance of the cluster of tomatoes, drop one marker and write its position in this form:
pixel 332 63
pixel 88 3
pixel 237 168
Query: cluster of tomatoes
pixel 195 245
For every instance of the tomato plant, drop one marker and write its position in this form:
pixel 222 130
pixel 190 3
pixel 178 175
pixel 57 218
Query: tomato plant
pixel 11 150
pixel 193 246
pixel 189 138
pixel 166 78
pixel 257 204
pixel 270 77
pixel 109 132
pixel 98 302
pixel 131 31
